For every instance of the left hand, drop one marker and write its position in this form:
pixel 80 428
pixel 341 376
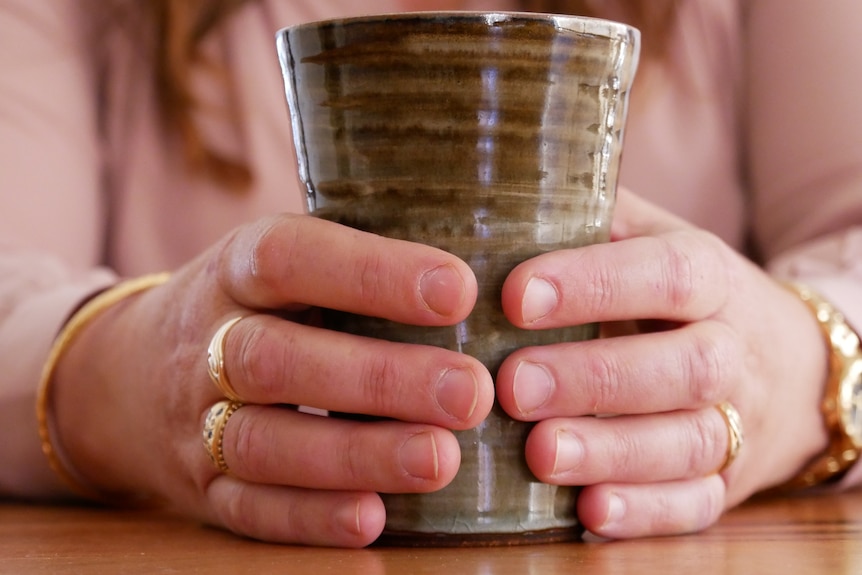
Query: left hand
pixel 689 323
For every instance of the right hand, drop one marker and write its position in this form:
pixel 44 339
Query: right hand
pixel 132 392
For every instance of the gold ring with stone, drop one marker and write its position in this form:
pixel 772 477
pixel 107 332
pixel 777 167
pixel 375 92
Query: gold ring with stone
pixel 736 437
pixel 213 433
pixel 215 360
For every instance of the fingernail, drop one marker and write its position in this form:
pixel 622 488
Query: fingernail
pixel 418 456
pixel 616 510
pixel 457 393
pixel 540 299
pixel 569 452
pixel 532 387
pixel 348 517
pixel 441 290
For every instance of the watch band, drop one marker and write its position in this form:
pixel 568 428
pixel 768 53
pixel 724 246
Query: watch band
pixel 842 400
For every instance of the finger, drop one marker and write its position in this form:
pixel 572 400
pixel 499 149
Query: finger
pixel 291 515
pixel 685 368
pixel 301 259
pixel 269 360
pixel 678 276
pixel 634 216
pixel 285 447
pixel 618 511
pixel 628 449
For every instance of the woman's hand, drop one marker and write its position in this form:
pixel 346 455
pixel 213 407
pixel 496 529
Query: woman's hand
pixel 691 323
pixel 132 393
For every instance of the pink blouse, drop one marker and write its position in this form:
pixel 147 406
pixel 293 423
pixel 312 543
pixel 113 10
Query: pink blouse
pixel 752 131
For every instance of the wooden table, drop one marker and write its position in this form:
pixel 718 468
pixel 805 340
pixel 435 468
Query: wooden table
pixel 818 535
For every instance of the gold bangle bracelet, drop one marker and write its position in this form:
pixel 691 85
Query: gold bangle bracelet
pixel 70 330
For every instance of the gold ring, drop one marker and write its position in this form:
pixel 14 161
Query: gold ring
pixel 213 434
pixel 215 360
pixel 736 437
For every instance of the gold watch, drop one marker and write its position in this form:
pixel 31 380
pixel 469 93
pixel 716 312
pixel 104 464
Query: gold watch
pixel 842 399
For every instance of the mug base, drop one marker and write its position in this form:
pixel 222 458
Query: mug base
pixel 415 539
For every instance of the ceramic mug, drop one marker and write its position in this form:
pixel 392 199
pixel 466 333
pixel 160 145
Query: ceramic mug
pixel 496 137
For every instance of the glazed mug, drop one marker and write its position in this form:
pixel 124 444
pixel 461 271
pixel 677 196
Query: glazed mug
pixel 496 137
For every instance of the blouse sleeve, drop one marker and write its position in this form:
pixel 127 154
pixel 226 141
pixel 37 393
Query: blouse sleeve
pixel 51 211
pixel 804 127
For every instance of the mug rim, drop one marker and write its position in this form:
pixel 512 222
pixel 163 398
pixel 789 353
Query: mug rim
pixel 589 25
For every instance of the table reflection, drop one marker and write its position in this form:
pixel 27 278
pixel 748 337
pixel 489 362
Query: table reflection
pixel 807 535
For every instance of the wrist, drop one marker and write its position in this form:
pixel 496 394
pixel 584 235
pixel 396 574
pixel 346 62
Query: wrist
pixel 51 439
pixel 841 403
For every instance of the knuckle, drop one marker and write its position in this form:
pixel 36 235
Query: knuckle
pixel 664 514
pixel 247 366
pixel 603 377
pixel 351 456
pixel 264 361
pixel 234 512
pixel 370 274
pixel 709 364
pixel 692 509
pixel 677 280
pixel 713 507
pixel 377 382
pixel 627 454
pixel 272 253
pixel 247 452
pixel 600 283
pixel 692 262
pixel 245 513
pixel 706 445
